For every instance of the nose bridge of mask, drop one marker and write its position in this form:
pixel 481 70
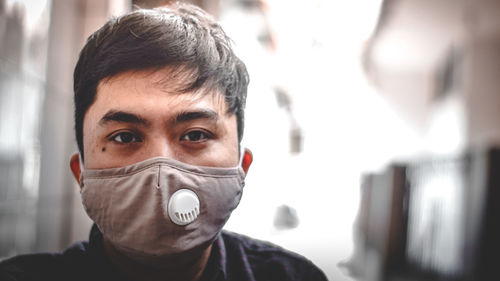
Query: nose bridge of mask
pixel 183 205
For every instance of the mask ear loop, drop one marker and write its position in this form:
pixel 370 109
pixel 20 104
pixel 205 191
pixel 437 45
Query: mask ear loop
pixel 81 163
pixel 242 154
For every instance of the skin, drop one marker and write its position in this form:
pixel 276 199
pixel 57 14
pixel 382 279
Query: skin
pixel 165 127
pixel 134 118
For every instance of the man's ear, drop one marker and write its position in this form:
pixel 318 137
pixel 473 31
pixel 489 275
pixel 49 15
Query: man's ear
pixel 246 160
pixel 74 164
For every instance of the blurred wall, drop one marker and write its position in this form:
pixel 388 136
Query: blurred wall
pixel 23 47
pixel 39 206
pixel 436 63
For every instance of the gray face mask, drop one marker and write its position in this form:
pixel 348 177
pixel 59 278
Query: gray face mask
pixel 160 208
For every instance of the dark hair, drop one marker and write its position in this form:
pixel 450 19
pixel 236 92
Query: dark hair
pixel 183 36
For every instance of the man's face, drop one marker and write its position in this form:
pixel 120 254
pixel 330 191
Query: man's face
pixel 135 118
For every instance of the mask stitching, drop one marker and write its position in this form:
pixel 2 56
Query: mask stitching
pixel 158 178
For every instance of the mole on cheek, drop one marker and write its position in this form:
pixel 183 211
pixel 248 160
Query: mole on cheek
pixel 103 149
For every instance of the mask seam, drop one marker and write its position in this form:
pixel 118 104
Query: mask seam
pixel 126 175
pixel 158 177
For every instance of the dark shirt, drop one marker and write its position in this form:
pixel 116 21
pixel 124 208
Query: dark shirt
pixel 234 257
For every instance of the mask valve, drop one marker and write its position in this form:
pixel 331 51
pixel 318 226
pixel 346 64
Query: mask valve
pixel 183 207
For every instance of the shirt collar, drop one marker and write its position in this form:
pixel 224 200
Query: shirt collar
pixel 216 266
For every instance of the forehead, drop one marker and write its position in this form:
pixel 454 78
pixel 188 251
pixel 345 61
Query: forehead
pixel 148 87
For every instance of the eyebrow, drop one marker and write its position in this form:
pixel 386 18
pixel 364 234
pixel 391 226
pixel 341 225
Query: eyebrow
pixel 121 116
pixel 182 117
pixel 196 114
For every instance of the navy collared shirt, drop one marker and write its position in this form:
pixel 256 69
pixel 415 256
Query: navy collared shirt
pixel 234 257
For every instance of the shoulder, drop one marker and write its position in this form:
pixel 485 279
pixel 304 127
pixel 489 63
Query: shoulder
pixel 268 261
pixel 45 266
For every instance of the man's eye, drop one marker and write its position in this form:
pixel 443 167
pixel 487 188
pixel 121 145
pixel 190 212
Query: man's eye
pixel 125 137
pixel 195 136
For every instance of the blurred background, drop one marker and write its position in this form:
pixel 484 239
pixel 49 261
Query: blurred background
pixel 373 126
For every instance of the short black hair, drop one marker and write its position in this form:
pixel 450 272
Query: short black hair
pixel 182 36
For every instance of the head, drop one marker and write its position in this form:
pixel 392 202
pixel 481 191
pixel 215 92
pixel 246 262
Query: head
pixel 166 83
pixel 180 50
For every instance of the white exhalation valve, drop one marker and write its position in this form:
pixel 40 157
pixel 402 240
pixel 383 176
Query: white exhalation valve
pixel 183 207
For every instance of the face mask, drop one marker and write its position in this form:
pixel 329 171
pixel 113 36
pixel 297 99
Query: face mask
pixel 161 208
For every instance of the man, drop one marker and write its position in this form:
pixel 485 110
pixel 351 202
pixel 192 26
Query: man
pixel 159 100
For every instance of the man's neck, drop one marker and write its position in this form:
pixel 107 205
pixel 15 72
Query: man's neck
pixel 174 269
